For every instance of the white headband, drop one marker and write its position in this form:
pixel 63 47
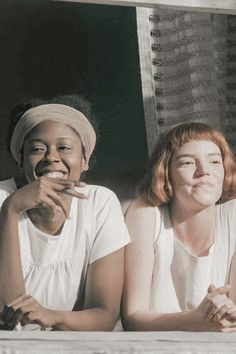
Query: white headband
pixel 54 112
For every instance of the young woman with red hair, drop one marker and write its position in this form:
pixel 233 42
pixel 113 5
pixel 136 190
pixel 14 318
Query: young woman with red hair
pixel 180 267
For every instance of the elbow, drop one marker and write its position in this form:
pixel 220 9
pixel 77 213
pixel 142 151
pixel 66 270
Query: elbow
pixel 130 322
pixel 108 320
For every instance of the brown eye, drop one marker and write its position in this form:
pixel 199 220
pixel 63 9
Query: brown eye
pixel 64 147
pixel 37 149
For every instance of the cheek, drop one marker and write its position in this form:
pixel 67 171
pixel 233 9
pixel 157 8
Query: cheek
pixel 75 163
pixel 29 163
pixel 182 177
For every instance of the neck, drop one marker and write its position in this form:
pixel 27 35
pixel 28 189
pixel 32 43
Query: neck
pixel 194 228
pixel 45 221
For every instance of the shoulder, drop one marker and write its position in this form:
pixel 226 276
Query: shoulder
pixel 226 214
pixel 141 218
pixel 140 207
pixel 95 192
pixel 98 197
pixel 7 187
pixel 228 207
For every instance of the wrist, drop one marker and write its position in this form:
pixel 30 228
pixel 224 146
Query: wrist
pixel 56 318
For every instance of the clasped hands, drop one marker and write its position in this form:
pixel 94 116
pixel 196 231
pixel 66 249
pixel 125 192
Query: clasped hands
pixel 25 309
pixel 218 310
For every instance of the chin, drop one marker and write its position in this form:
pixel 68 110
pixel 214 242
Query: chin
pixel 206 202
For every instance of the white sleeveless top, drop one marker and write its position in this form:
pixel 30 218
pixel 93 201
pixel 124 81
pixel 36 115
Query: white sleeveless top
pixel 180 280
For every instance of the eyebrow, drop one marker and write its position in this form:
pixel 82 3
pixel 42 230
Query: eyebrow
pixel 218 154
pixel 40 140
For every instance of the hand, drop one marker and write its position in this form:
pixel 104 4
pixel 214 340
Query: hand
pixel 226 315
pixel 215 303
pixel 25 309
pixel 3 324
pixel 45 192
pixel 215 300
pixel 219 303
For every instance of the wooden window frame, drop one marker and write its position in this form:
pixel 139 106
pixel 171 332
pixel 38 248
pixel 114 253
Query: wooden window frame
pixel 214 6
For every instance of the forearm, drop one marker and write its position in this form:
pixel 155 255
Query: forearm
pixel 94 319
pixel 179 321
pixel 11 277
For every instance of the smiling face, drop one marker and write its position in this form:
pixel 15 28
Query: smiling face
pixel 197 174
pixel 53 149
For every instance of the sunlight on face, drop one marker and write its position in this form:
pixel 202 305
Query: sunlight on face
pixel 197 173
pixel 52 149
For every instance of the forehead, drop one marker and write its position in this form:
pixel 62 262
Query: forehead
pixel 52 130
pixel 195 147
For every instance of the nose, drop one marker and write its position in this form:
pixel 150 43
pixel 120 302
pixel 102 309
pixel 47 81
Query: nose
pixel 202 168
pixel 51 155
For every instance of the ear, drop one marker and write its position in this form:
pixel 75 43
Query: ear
pixel 85 165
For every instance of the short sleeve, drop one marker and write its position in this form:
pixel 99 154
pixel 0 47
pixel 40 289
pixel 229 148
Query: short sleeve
pixel 7 187
pixel 111 232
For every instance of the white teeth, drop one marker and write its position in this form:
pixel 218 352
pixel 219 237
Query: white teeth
pixel 55 174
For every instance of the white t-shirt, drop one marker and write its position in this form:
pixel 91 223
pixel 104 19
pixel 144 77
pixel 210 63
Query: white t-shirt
pixel 180 280
pixel 54 267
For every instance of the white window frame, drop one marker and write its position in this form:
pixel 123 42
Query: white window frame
pixel 214 6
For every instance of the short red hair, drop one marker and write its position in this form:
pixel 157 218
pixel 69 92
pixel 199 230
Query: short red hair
pixel 156 187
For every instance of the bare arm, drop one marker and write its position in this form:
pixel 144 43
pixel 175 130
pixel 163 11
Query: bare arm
pixel 102 296
pixel 139 264
pixel 11 277
pixel 102 301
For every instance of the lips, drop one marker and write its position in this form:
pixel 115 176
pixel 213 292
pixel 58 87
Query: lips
pixel 202 184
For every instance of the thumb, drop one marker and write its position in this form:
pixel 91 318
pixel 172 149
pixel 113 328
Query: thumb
pixel 222 290
pixel 211 288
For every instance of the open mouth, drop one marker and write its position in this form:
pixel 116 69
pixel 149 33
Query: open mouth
pixel 53 174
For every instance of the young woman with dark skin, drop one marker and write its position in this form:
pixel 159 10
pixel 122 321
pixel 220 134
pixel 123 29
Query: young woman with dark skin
pixel 61 244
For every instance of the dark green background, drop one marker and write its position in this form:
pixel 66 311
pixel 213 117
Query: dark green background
pixel 50 48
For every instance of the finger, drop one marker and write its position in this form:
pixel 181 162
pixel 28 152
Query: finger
pixel 222 312
pixel 25 319
pixel 224 323
pixel 228 329
pixel 219 291
pixel 54 202
pixel 80 184
pixel 4 312
pixel 232 310
pixel 58 202
pixel 18 299
pixel 231 314
pixel 73 193
pixel 215 304
pixel 17 316
pixel 8 316
pixel 211 288
pixel 61 182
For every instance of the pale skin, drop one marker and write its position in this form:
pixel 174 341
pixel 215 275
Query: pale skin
pixel 53 160
pixel 197 174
